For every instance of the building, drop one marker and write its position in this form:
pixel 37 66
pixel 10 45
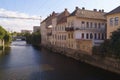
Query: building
pixel 46 29
pixel 36 28
pixel 80 30
pixel 26 31
pixel 59 35
pixel 86 28
pixel 113 21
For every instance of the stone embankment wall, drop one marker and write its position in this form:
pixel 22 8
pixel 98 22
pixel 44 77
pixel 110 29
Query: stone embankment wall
pixel 95 60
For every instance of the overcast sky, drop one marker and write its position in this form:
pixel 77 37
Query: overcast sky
pixel 37 8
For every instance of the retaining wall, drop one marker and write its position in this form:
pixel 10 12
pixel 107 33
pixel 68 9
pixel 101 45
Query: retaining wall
pixel 106 63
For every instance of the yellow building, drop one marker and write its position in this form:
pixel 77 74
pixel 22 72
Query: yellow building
pixel 113 21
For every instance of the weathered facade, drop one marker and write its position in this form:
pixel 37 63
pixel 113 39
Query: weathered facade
pixel 46 29
pixel 69 30
pixel 59 34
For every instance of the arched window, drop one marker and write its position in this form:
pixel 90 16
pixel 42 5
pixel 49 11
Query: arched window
pixel 87 36
pixel 91 36
pixel 102 36
pixel 82 35
pixel 98 35
pixel 95 36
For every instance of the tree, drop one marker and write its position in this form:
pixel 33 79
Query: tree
pixel 111 46
pixel 2 32
pixel 4 35
pixel 36 38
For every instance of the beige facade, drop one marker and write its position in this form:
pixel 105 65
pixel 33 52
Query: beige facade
pixel 46 29
pixel 43 33
pixel 58 31
pixel 84 28
pixel 84 45
pixel 113 21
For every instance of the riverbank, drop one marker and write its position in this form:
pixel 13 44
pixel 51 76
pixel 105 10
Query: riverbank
pixel 106 63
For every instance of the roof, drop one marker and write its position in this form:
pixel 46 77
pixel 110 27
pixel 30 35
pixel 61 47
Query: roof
pixel 62 17
pixel 116 10
pixel 88 14
pixel 50 17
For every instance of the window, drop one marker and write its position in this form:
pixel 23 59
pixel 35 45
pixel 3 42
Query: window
pixel 91 25
pixel 99 36
pixel 116 20
pixel 91 36
pixel 102 36
pixel 95 36
pixel 87 24
pixel 83 22
pixel 68 36
pixel 82 35
pixel 95 25
pixel 99 25
pixel 111 21
pixel 64 37
pixel 87 36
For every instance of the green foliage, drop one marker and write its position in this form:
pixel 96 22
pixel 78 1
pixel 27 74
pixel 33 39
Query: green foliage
pixel 4 35
pixel 7 38
pixel 28 38
pixel 34 38
pixel 2 32
pixel 111 47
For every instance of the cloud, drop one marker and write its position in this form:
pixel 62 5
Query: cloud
pixel 17 24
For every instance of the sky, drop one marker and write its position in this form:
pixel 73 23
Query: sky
pixel 43 8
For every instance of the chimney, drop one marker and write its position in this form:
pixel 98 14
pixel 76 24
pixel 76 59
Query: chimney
pixel 76 8
pixel 95 10
pixel 102 10
pixel 65 9
pixel 83 8
pixel 53 13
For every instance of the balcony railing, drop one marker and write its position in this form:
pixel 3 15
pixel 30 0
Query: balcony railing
pixel 69 29
pixel 93 29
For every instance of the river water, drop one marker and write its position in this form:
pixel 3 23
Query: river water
pixel 24 62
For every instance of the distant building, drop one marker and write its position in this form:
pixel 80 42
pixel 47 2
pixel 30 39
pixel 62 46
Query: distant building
pixel 36 28
pixel 113 21
pixel 26 31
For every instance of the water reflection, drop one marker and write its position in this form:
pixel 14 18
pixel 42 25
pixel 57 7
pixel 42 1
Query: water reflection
pixel 23 62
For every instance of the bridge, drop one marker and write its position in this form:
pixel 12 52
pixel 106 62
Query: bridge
pixel 22 38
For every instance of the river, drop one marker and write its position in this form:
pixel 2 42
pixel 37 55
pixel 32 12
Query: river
pixel 24 62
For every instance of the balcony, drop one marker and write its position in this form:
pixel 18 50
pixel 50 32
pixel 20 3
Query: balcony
pixel 49 34
pixel 69 29
pixel 90 29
